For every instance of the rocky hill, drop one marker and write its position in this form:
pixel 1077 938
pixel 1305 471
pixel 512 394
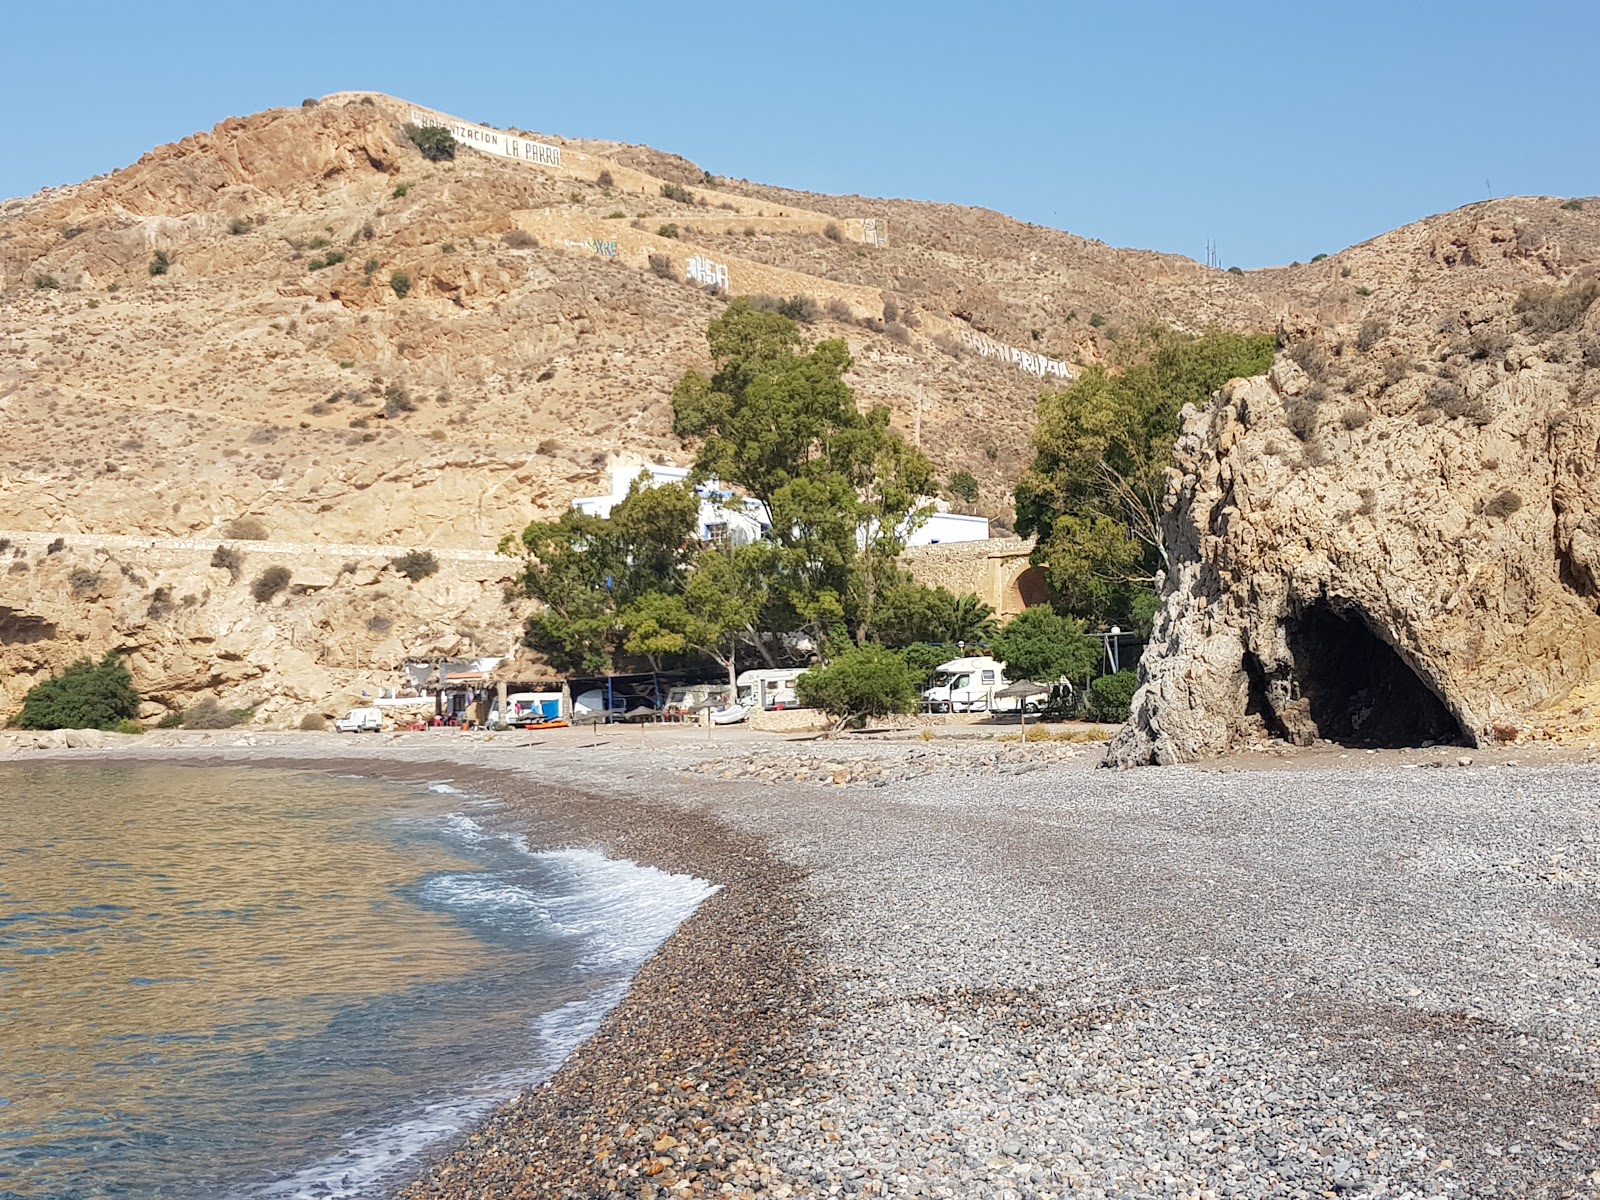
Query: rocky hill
pixel 298 322
pixel 1394 538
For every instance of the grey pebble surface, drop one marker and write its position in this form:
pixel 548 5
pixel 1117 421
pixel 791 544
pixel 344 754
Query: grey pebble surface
pixel 1183 982
pixel 1375 980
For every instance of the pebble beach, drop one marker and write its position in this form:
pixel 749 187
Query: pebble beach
pixel 955 971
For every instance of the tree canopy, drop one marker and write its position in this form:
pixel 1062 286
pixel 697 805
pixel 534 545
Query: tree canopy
pixel 87 695
pixel 865 682
pixel 1042 645
pixel 1093 495
pixel 777 420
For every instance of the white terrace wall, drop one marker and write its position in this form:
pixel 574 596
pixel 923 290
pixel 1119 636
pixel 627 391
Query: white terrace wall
pixel 575 164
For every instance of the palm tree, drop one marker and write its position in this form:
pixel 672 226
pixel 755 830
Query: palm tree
pixel 971 621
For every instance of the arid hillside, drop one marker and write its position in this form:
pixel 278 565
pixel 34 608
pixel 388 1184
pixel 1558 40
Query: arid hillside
pixel 297 321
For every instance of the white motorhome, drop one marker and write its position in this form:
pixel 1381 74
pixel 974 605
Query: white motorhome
pixel 969 685
pixel 769 689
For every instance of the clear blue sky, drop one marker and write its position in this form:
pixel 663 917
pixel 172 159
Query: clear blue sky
pixel 1277 130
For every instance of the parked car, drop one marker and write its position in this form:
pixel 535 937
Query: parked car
pixel 360 720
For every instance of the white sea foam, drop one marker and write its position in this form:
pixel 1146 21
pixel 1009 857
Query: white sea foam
pixel 371 1157
pixel 444 788
pixel 621 910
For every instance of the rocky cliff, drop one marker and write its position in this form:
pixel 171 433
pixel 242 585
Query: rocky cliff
pixel 220 333
pixel 1394 538
pixel 295 321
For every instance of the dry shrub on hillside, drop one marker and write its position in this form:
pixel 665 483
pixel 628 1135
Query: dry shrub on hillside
pixel 269 583
pixel 313 723
pixel 206 713
pixel 1310 355
pixel 245 529
pixel 82 582
pixel 661 265
pixel 1487 342
pixel 416 565
pixel 891 311
pixel 1452 400
pixel 801 308
pixel 1301 412
pixel 840 311
pixel 1354 417
pixel 1370 334
pixel 519 239
pixel 604 179
pixel 230 560
pixel 1502 505
pixel 898 334
pixel 1547 310
pixel 832 232
pixel 397 401
pixel 949 345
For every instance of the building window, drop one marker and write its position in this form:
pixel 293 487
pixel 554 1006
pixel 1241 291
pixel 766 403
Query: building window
pixel 717 533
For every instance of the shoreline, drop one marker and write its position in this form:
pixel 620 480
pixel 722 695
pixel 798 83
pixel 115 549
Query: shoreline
pixel 1040 979
pixel 671 1085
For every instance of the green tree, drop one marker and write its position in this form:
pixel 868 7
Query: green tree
pixel 864 682
pixel 910 613
pixel 87 695
pixel 963 486
pixel 435 141
pixel 776 419
pixel 724 599
pixel 1044 646
pixel 1111 696
pixel 587 572
pixel 1101 449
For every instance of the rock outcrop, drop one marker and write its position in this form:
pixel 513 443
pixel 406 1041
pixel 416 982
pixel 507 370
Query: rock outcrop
pixel 1392 539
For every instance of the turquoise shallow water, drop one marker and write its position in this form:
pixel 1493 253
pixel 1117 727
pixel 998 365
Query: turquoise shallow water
pixel 261 983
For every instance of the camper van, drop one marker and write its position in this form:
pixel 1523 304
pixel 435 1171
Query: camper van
pixel 968 685
pixel 769 689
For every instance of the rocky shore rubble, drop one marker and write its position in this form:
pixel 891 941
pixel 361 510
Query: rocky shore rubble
pixel 883 763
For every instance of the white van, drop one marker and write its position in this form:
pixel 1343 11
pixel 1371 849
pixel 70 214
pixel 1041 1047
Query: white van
pixel 968 685
pixel 360 720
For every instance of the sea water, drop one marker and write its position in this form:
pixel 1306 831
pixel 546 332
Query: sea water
pixel 264 984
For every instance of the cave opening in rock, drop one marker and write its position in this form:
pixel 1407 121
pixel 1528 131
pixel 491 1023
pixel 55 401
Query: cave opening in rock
pixel 1258 703
pixel 1357 690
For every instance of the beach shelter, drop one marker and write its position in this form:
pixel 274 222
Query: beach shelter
pixel 1023 690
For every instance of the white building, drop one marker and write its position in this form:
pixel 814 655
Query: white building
pixel 725 516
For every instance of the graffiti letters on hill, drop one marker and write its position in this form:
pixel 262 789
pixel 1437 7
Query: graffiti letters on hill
pixel 491 141
pixel 1026 360
pixel 594 246
pixel 875 231
pixel 703 270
